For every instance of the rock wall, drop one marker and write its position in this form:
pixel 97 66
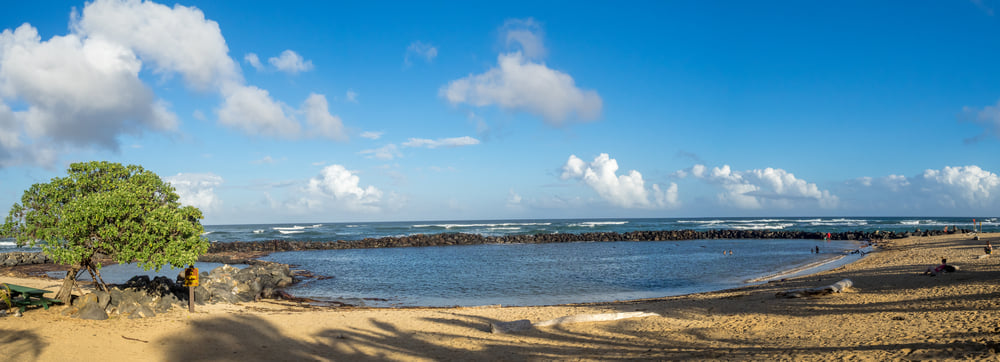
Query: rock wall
pixel 476 239
pixel 16 258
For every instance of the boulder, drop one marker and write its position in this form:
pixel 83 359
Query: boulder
pixel 89 307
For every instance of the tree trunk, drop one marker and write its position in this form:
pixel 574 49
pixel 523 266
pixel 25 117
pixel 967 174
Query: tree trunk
pixel 66 292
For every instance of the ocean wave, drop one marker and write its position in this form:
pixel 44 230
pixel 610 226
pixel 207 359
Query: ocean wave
pixel 710 222
pixel 506 224
pixel 7 243
pixel 259 231
pixel 591 224
pixel 291 231
pixel 765 226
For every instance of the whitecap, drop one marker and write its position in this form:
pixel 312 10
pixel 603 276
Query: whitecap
pixel 291 231
pixel 591 224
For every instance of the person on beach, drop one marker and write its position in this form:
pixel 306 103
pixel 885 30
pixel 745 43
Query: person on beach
pixel 940 269
pixel 988 248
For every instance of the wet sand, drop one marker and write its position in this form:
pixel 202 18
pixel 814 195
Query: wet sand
pixel 893 312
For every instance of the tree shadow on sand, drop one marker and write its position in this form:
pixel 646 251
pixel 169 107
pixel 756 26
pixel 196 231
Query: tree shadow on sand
pixel 20 345
pixel 467 337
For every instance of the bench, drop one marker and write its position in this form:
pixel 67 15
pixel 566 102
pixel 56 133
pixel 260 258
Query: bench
pixel 22 297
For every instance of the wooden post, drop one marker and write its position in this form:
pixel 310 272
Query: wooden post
pixel 191 281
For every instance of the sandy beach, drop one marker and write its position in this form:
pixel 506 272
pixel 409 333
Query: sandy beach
pixel 893 312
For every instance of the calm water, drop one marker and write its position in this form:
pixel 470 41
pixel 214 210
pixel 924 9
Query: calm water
pixel 539 274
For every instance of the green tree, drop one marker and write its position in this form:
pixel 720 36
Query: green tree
pixel 104 209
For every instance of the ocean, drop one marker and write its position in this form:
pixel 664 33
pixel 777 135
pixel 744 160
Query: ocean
pixel 543 274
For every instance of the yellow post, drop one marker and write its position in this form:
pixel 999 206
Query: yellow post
pixel 191 281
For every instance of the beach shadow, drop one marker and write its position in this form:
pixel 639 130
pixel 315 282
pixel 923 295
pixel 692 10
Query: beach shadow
pixel 18 345
pixel 235 337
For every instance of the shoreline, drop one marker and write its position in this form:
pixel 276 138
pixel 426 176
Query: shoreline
pixel 892 312
pixel 781 272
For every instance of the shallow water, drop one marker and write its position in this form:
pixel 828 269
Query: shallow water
pixel 543 274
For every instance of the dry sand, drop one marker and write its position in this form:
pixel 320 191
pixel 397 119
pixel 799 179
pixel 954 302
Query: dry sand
pixel 893 312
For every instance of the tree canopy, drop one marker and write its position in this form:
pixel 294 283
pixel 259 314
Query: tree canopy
pixel 100 208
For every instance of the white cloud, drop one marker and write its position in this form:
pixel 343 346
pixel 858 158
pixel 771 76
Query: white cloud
pixel 252 110
pixel 420 50
pixel 320 121
pixel 524 35
pixel 254 61
pixel 518 84
pixel 764 188
pixel 351 96
pixel 626 191
pixel 197 189
pixel 372 135
pixel 961 186
pixel 290 62
pixel 441 142
pixel 76 91
pixel 386 152
pixel 521 83
pixel 341 186
pixel 177 39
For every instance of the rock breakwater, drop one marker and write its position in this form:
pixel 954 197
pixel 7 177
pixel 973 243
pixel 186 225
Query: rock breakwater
pixel 444 239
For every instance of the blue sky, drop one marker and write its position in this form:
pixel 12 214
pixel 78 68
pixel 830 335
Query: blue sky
pixel 381 111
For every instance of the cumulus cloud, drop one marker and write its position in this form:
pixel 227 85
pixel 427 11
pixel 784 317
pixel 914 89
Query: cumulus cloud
pixel 441 142
pixel 252 110
pixel 320 121
pixel 764 188
pixel 197 189
pixel 372 135
pixel 519 83
pixel 178 39
pixel 626 191
pixel 290 62
pixel 419 50
pixel 83 89
pixel 337 185
pixel 77 91
pixel 961 186
pixel 952 187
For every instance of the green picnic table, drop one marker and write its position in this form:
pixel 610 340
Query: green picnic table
pixel 22 296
